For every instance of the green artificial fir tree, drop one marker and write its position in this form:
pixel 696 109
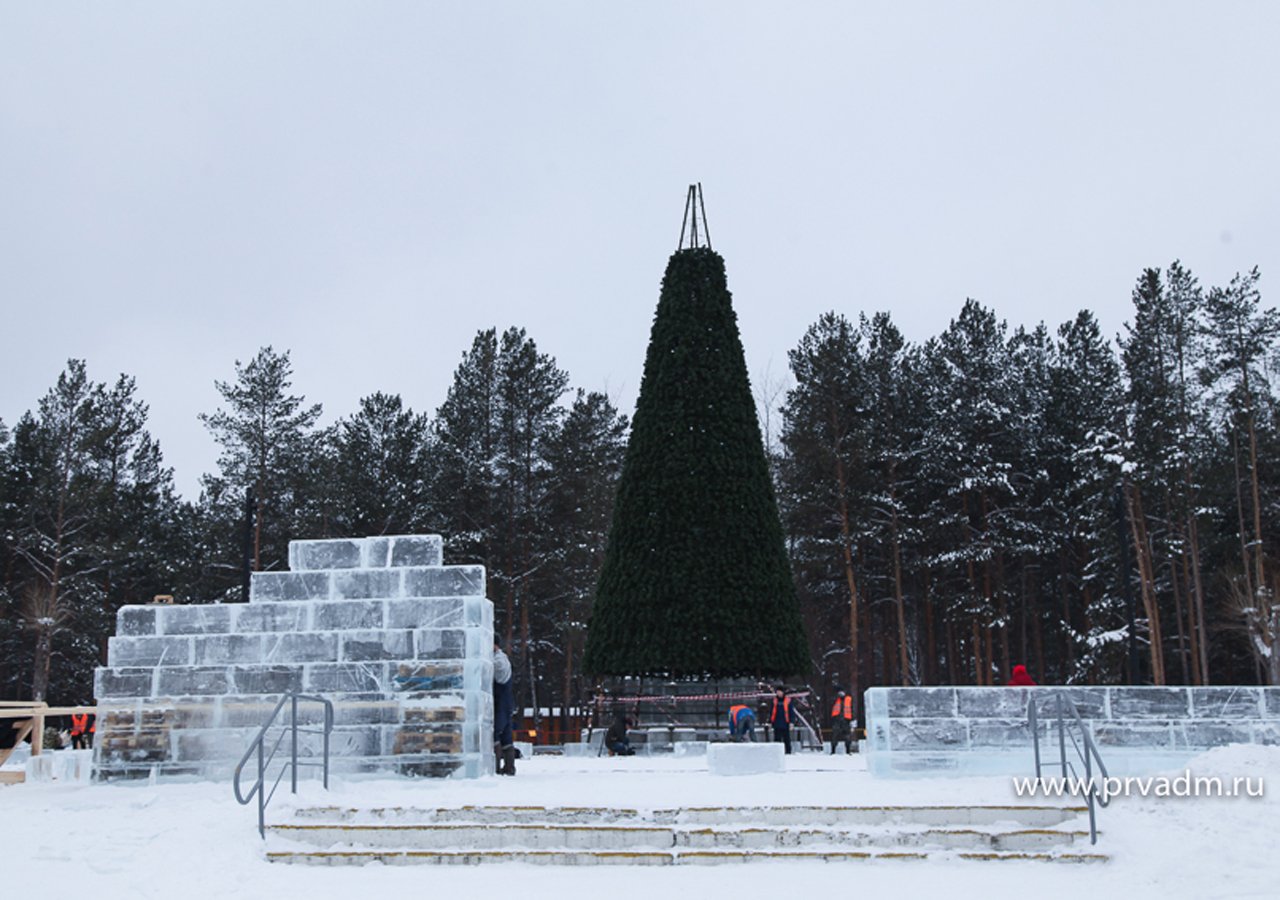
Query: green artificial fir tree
pixel 695 580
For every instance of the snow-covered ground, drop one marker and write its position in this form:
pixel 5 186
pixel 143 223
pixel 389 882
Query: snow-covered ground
pixel 194 841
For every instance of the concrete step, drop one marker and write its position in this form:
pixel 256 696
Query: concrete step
pixel 646 858
pixel 678 836
pixel 1023 816
pixel 635 837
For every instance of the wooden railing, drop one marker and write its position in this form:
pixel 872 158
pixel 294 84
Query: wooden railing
pixel 29 719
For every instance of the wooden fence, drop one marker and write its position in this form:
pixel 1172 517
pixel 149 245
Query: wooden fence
pixel 28 718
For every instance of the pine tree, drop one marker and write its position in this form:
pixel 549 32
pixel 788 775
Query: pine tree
pixel 88 506
pixel 1242 336
pixel 465 461
pixel 1162 350
pixel 971 452
pixel 695 580
pixel 1084 427
pixel 268 445
pixel 895 404
pixel 827 434
pixel 492 436
pixel 379 480
pixel 585 457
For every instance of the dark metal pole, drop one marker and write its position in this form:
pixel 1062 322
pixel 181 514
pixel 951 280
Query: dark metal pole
pixel 1122 532
pixel 293 728
pixel 1033 720
pixel 688 201
pixel 694 190
pixel 706 229
pixel 328 726
pixel 1062 738
pixel 262 786
pixel 247 549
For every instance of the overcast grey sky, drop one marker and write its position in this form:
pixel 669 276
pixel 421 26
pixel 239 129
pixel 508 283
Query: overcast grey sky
pixel 367 184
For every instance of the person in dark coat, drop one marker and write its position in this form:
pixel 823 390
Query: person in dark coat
pixel 780 717
pixel 504 706
pixel 842 722
pixel 616 737
pixel 1020 677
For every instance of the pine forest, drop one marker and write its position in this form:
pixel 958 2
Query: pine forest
pixel 1101 510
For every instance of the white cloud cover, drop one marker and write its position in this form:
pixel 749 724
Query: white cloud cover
pixel 367 185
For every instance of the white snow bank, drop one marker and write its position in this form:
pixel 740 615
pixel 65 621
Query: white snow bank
pixel 131 841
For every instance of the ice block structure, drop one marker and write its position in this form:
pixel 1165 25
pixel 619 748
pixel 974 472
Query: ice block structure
pixel 984 730
pixel 400 643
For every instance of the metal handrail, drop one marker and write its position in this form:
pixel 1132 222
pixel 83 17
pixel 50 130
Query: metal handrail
pixel 264 759
pixel 1087 756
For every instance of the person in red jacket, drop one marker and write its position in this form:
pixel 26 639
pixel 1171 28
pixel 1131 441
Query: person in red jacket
pixel 1020 677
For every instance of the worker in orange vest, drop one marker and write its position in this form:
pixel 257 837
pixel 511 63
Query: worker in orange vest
pixel 742 723
pixel 82 729
pixel 842 722
pixel 780 718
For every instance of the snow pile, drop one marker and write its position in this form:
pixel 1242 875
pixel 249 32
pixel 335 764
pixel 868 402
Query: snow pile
pixel 138 840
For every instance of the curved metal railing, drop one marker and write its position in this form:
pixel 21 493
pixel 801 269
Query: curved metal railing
pixel 1065 709
pixel 265 758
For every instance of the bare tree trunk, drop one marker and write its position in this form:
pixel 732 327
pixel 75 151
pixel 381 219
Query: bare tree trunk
pixel 1142 548
pixel 1024 651
pixel 40 673
pixel 526 648
pixel 1002 610
pixel 1258 574
pixel 953 653
pixel 1193 532
pixel 846 546
pixel 928 659
pixel 1192 629
pixel 990 663
pixel 1273 668
pixel 1037 636
pixel 566 691
pixel 1068 630
pixel 1244 535
pixel 900 604
pixel 1086 604
pixel 1177 600
pixel 976 645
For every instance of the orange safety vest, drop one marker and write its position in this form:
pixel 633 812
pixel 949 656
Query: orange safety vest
pixel 848 708
pixel 786 711
pixel 78 724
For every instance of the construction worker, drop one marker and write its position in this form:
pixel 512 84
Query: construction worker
pixel 504 705
pixel 842 722
pixel 82 729
pixel 780 718
pixel 1021 678
pixel 616 737
pixel 742 723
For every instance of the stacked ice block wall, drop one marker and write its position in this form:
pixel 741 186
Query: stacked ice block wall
pixel 975 730
pixel 401 644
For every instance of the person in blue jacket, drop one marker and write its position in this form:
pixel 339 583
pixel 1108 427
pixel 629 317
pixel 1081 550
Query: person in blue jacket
pixel 742 723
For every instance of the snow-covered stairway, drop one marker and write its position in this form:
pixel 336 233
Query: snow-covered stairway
pixel 706 835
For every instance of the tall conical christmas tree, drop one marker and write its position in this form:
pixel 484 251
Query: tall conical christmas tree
pixel 695 580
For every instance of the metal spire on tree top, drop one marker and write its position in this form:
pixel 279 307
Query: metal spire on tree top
pixel 692 206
